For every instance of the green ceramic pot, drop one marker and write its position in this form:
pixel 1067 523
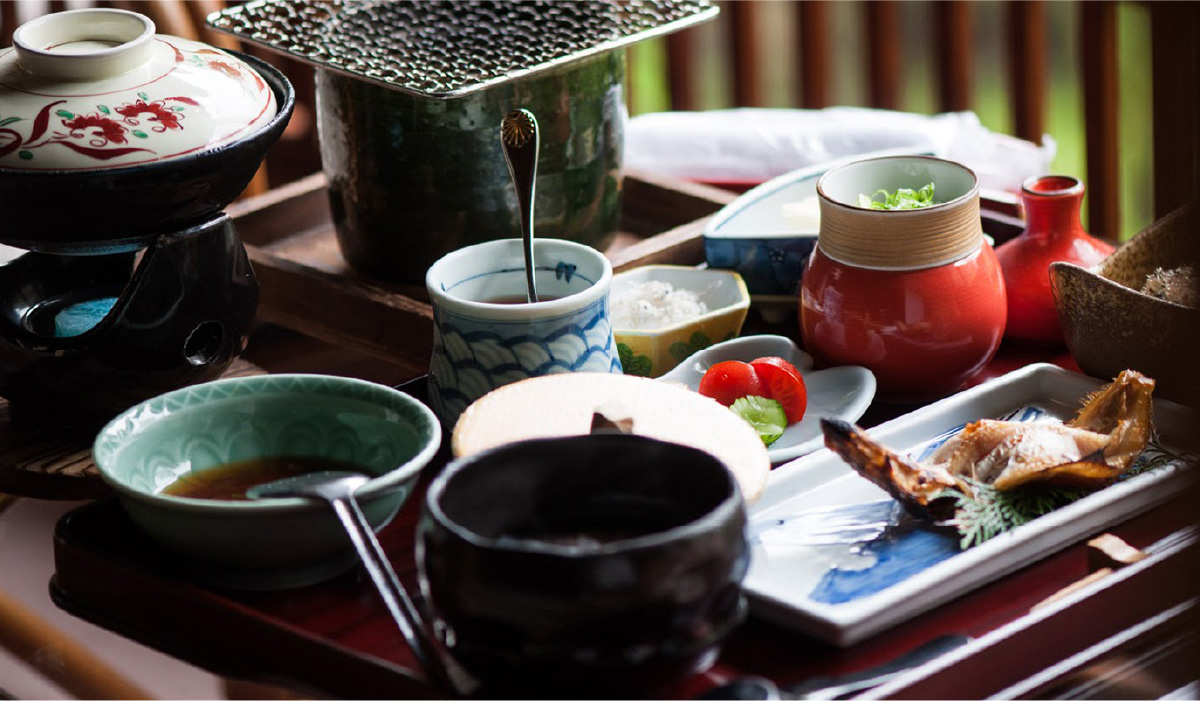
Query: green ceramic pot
pixel 277 543
pixel 411 179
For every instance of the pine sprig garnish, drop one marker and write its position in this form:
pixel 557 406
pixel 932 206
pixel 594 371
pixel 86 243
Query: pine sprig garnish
pixel 1157 455
pixel 988 512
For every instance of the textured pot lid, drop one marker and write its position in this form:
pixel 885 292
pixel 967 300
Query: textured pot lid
pixel 96 89
pixel 450 48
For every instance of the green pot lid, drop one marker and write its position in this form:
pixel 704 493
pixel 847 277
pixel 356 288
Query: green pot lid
pixel 448 48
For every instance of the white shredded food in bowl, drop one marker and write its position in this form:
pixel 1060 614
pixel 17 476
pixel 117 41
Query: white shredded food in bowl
pixel 646 306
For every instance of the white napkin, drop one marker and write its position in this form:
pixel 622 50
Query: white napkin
pixel 761 143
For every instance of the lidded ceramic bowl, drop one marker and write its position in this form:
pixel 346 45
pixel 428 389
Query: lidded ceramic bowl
pixel 141 133
pixel 96 89
pixel 916 296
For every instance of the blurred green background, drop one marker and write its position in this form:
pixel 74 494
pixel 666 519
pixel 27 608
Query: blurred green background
pixel 991 101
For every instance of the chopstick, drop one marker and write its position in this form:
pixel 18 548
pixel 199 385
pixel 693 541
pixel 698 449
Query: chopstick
pixel 59 658
pixel 1107 553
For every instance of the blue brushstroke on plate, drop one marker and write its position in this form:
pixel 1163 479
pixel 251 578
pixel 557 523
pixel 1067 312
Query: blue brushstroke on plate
pixel 893 545
pixel 768 265
pixel 897 546
pixel 847 525
pixel 898 557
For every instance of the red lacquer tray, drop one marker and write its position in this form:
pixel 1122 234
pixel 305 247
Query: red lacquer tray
pixel 336 638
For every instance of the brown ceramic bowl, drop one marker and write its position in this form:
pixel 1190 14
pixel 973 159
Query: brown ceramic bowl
pixel 1109 325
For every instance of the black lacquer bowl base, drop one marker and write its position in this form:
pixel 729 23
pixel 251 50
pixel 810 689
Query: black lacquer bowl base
pixel 182 313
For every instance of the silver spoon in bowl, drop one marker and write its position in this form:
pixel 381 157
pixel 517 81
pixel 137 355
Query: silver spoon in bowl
pixel 520 139
pixel 337 489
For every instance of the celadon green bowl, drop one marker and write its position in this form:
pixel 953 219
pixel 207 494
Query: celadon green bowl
pixel 276 543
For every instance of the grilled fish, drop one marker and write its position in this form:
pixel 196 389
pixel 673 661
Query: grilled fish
pixel 1091 450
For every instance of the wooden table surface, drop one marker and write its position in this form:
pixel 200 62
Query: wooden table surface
pixel 336 639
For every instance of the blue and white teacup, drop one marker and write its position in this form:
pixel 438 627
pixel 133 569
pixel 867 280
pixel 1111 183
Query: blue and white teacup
pixel 485 335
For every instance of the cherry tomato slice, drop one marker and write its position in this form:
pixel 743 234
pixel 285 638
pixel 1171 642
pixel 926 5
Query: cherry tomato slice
pixel 785 385
pixel 728 380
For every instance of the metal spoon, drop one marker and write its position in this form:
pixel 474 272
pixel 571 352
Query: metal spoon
pixel 337 489
pixel 519 136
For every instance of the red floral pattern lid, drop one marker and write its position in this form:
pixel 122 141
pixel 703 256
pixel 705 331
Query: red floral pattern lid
pixel 97 89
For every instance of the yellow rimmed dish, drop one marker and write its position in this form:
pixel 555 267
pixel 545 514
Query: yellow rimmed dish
pixel 654 352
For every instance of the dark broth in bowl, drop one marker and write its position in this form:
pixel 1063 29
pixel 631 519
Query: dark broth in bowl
pixel 590 521
pixel 231 481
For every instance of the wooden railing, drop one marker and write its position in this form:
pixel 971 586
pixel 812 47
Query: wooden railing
pixel 1175 31
pixel 1175 41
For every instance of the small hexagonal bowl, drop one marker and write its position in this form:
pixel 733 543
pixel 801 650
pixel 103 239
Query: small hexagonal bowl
pixel 654 352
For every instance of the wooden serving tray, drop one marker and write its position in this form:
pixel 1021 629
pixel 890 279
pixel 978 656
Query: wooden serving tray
pixel 336 639
pixel 307 285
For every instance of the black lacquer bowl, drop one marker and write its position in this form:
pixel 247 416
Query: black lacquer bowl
pixel 123 208
pixel 603 565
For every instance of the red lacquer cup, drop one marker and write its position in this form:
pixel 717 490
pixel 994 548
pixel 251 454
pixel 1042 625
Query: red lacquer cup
pixel 916 296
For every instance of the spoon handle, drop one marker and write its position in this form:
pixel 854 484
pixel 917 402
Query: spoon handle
pixel 520 139
pixel 398 603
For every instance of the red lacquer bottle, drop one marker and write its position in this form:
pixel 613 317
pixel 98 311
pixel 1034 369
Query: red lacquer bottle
pixel 1052 233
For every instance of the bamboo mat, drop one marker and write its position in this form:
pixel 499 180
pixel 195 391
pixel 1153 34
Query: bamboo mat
pixel 55 461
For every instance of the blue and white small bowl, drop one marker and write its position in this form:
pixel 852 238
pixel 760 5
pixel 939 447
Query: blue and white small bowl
pixel 767 234
pixel 480 344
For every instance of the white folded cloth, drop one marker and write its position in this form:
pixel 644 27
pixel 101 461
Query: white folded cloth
pixel 751 144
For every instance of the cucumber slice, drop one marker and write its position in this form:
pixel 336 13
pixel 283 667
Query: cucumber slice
pixel 765 415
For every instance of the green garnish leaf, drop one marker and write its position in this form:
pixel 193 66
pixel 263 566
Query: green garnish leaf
pixel 903 198
pixel 989 512
pixel 766 416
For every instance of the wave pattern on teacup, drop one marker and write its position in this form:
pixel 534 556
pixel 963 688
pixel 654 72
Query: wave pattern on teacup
pixel 468 364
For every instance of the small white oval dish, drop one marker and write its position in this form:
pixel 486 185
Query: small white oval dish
pixel 842 392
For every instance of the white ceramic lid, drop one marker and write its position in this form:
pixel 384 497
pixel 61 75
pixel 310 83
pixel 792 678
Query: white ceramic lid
pixel 97 88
